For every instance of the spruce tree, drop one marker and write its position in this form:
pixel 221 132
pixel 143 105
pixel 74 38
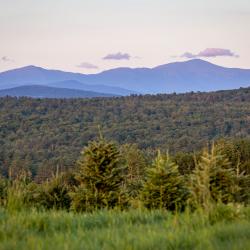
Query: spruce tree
pixel 212 180
pixel 135 165
pixel 164 186
pixel 100 177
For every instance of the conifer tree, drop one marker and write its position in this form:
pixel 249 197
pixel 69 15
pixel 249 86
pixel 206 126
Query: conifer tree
pixel 212 180
pixel 238 153
pixel 164 186
pixel 135 166
pixel 100 177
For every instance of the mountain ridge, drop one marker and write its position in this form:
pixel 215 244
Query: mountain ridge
pixel 180 77
pixel 39 91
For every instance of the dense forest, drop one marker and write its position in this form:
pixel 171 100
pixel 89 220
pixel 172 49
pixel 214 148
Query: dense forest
pixel 136 185
pixel 43 135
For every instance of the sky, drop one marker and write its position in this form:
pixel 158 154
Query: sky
pixel 89 36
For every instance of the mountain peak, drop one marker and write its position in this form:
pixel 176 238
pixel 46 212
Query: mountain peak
pixel 193 63
pixel 191 75
pixel 198 61
pixel 28 68
pixel 31 67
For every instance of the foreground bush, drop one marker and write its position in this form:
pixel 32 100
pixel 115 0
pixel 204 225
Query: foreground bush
pixel 55 194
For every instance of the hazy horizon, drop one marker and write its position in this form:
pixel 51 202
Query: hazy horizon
pixel 100 71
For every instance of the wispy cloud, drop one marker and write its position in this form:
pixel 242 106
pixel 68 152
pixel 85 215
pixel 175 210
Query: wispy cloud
pixel 117 56
pixel 188 55
pixel 211 52
pixel 86 65
pixel 6 59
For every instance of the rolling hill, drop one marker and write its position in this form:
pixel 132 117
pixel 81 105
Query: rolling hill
pixel 38 91
pixel 45 133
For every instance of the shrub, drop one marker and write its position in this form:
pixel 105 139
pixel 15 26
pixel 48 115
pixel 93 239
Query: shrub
pixel 222 212
pixel 54 194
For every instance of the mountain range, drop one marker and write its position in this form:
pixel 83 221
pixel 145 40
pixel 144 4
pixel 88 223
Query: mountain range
pixel 179 77
pixel 39 91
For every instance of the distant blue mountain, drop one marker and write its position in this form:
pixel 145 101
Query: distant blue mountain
pixel 38 91
pixel 193 75
pixel 73 84
pixel 32 75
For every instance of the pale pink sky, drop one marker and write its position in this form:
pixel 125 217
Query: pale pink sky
pixel 88 35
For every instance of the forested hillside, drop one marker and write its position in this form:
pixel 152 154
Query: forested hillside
pixel 49 133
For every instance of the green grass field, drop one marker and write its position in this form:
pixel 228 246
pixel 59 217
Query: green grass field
pixel 223 229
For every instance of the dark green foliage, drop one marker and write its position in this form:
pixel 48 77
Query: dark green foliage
pixel 164 186
pixel 135 167
pixel 21 193
pixel 238 152
pixel 3 190
pixel 45 133
pixel 185 161
pixel 55 194
pixel 100 177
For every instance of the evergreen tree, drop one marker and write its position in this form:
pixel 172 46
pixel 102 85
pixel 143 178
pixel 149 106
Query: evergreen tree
pixel 213 179
pixel 135 166
pixel 164 186
pixel 100 177
pixel 238 153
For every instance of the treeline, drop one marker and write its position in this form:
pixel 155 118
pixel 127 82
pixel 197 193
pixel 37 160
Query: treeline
pixel 48 134
pixel 112 177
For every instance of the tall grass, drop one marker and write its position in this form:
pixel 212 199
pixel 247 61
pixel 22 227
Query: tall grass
pixel 227 228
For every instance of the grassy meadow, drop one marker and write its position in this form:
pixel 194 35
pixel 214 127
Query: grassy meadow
pixel 226 227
